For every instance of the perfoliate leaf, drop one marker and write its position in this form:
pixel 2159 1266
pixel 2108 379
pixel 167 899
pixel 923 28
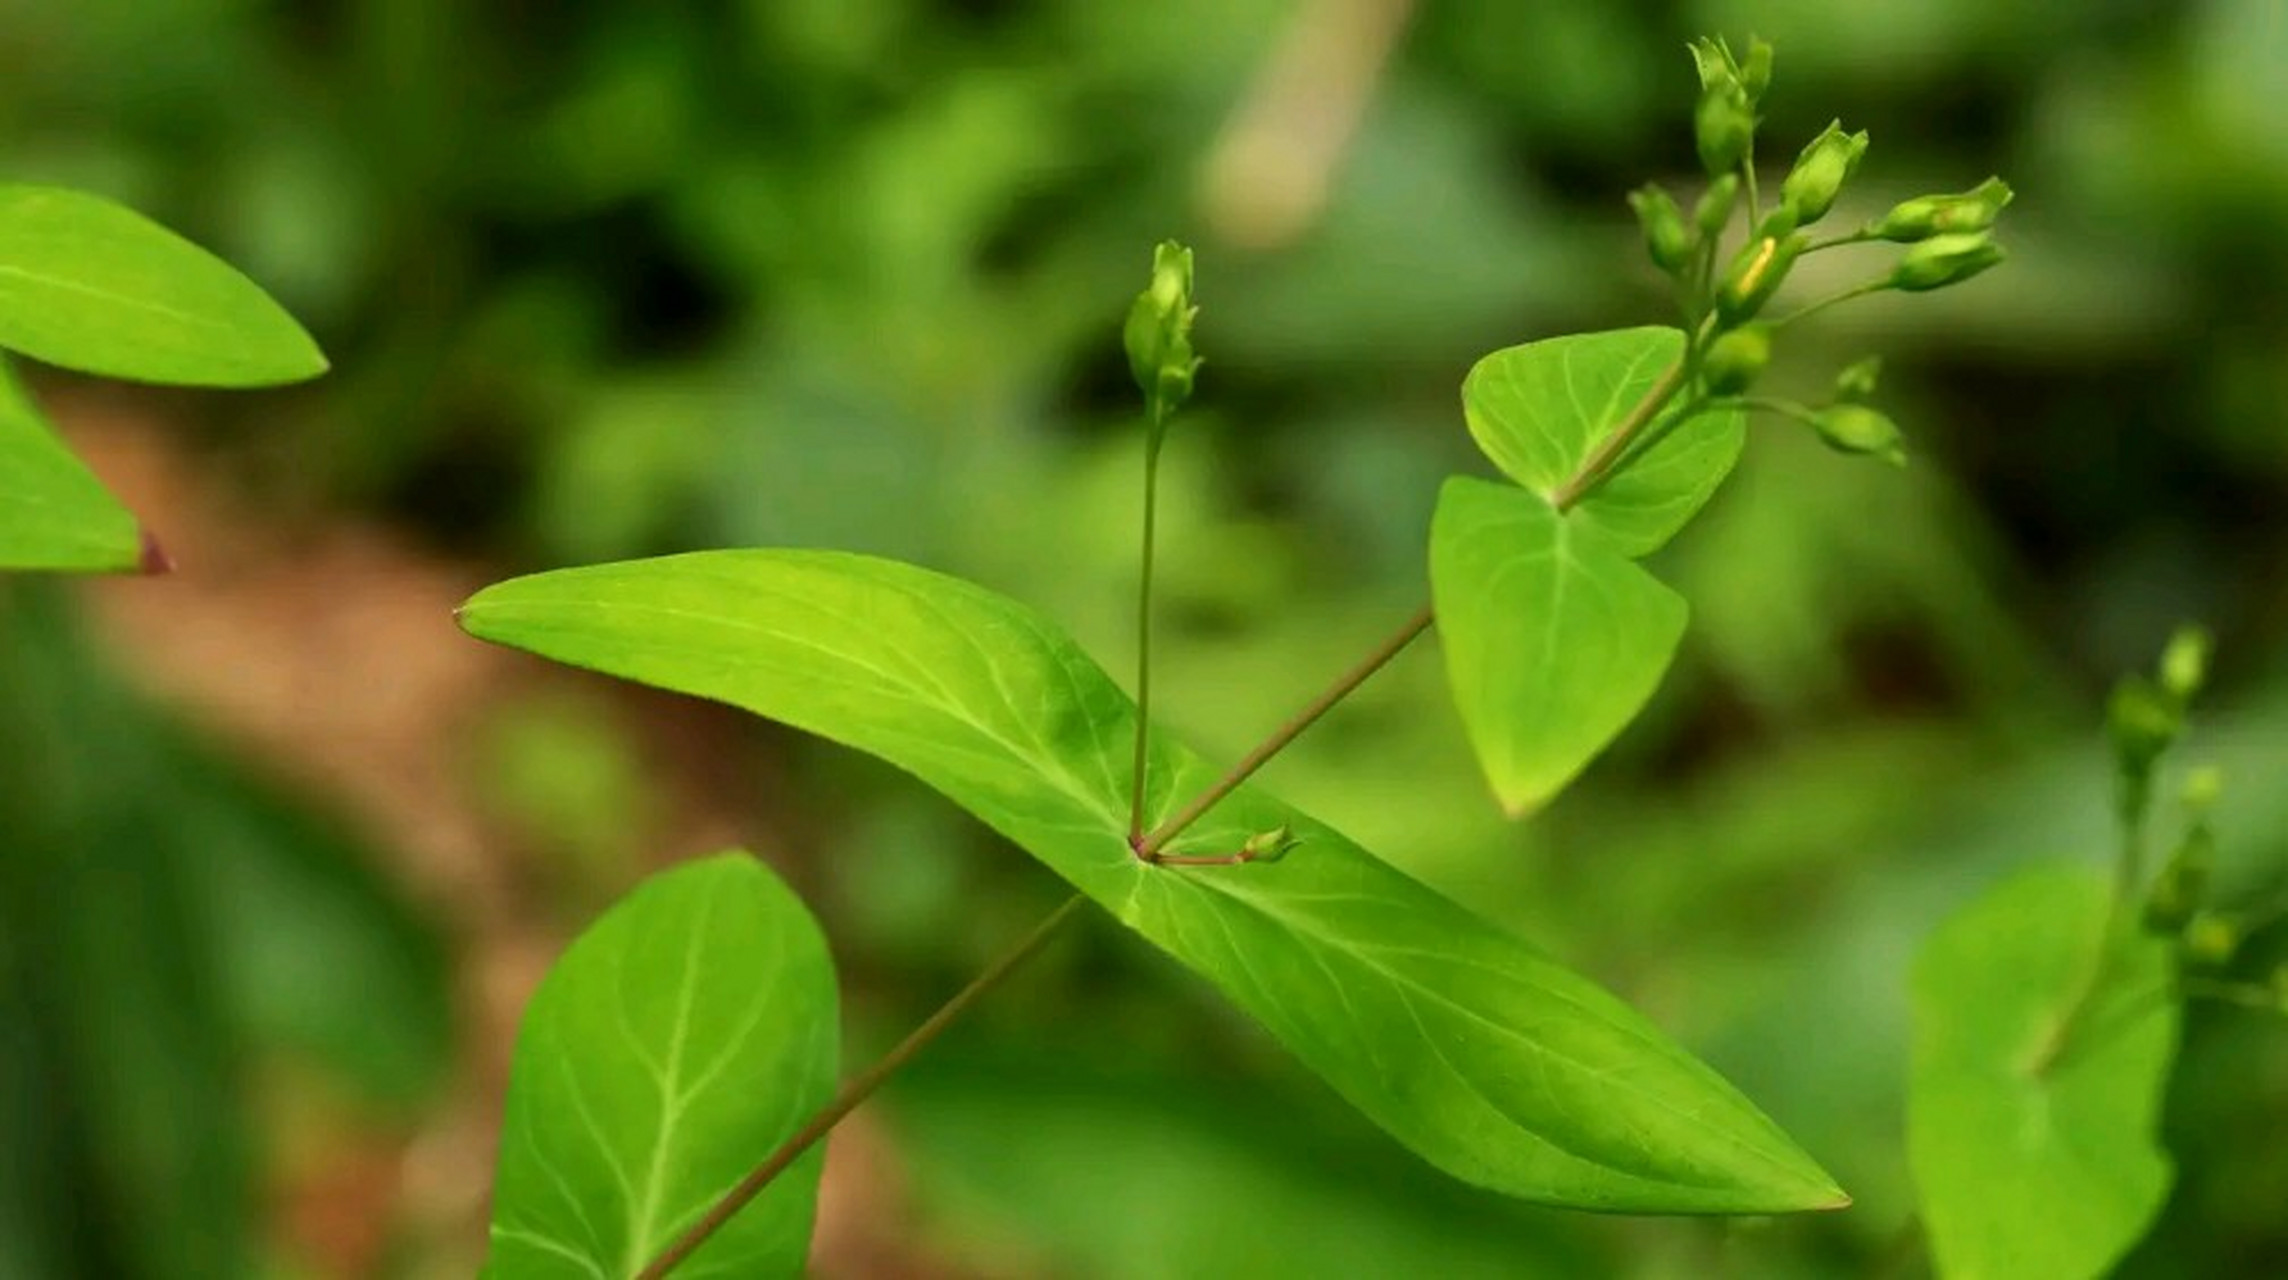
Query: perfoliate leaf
pixel 677 1042
pixel 1540 410
pixel 2035 1157
pixel 1553 638
pixel 53 513
pixel 1489 1059
pixel 91 285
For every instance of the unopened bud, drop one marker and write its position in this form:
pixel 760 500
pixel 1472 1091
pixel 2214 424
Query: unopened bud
pixel 2185 663
pixel 2202 788
pixel 1943 260
pixel 2183 884
pixel 2211 939
pixel 1665 236
pixel 1715 207
pixel 1158 334
pixel 1755 275
pixel 2142 722
pixel 1756 68
pixel 1266 846
pixel 1855 428
pixel 1857 381
pixel 1723 127
pixel 1736 358
pixel 1820 172
pixel 1927 216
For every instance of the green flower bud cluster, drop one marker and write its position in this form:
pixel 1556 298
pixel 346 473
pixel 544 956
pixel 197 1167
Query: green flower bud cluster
pixel 1158 334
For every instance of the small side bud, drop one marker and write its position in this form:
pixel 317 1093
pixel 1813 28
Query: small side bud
pixel 1755 275
pixel 2202 788
pixel 1855 428
pixel 1828 162
pixel 2185 663
pixel 1736 359
pixel 1666 239
pixel 2211 939
pixel 1943 260
pixel 1267 846
pixel 1927 216
pixel 1715 207
pixel 2142 723
pixel 1158 334
pixel 2183 885
pixel 1857 381
pixel 1756 68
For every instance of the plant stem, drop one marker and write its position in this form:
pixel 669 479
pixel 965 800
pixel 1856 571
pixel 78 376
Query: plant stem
pixel 1595 467
pixel 1149 848
pixel 1144 631
pixel 854 1091
pixel 2133 799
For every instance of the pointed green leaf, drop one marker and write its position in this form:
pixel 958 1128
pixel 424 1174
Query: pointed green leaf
pixel 2031 1163
pixel 1553 638
pixel 1489 1059
pixel 91 285
pixel 1540 410
pixel 53 513
pixel 681 1038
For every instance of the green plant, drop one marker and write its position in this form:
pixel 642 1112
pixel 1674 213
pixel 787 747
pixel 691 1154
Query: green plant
pixel 86 284
pixel 1486 1057
pixel 2047 1014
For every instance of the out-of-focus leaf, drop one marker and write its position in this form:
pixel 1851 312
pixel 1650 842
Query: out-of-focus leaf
pixel 1542 409
pixel 1553 638
pixel 1483 1055
pixel 679 1040
pixel 2034 1159
pixel 91 285
pixel 53 513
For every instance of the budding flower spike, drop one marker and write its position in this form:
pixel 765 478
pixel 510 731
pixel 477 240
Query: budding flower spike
pixel 1158 334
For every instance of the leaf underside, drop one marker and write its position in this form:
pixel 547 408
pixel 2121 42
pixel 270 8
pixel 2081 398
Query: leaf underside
pixel 688 1032
pixel 2027 1170
pixel 1486 1057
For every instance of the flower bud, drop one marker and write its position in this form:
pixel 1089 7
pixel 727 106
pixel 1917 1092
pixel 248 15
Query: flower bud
pixel 1777 222
pixel 1943 260
pixel 1723 126
pixel 2185 663
pixel 2201 789
pixel 1715 207
pixel 1855 428
pixel 1857 381
pixel 1755 275
pixel 1158 334
pixel 1820 172
pixel 2142 722
pixel 1665 236
pixel 1927 216
pixel 2210 940
pixel 2183 884
pixel 1756 69
pixel 1267 846
pixel 1736 358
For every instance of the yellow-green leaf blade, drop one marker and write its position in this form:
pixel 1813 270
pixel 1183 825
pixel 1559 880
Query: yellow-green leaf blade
pixel 1488 1058
pixel 1553 638
pixel 678 1041
pixel 54 514
pixel 1540 410
pixel 2030 1164
pixel 91 285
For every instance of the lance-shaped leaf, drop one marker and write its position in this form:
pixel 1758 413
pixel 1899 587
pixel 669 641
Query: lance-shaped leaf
pixel 1553 638
pixel 53 513
pixel 91 285
pixel 2036 1156
pixel 1489 1059
pixel 1540 410
pixel 681 1038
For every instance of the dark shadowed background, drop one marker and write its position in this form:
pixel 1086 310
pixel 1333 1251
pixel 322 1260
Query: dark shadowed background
pixel 282 852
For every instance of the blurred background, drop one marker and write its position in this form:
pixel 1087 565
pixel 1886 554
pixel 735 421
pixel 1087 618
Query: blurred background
pixel 282 852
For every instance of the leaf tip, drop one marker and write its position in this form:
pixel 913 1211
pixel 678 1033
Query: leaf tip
pixel 152 559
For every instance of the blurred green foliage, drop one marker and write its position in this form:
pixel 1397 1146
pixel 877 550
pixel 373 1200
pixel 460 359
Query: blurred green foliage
pixel 611 278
